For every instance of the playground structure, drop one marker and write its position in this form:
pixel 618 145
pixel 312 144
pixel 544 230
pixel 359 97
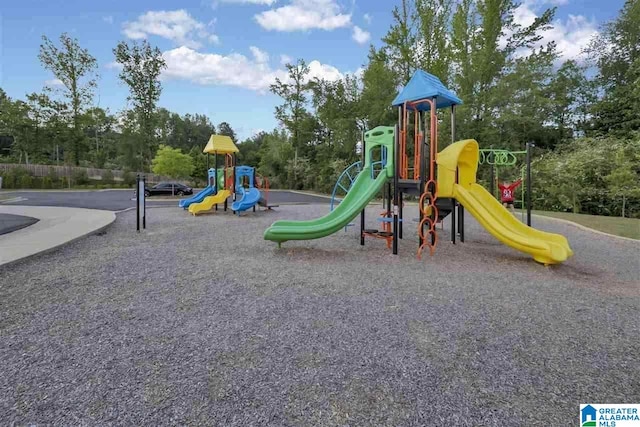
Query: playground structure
pixel 230 181
pixel 496 158
pixel 209 190
pixel 445 183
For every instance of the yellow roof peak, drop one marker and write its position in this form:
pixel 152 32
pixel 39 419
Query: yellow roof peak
pixel 220 144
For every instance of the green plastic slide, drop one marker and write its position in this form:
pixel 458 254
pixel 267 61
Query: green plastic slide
pixel 363 190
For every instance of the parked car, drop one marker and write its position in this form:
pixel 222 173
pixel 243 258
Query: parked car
pixel 167 189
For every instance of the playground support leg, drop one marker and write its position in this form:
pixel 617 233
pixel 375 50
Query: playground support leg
pixel 400 215
pixel 461 222
pixel 492 176
pixel 225 205
pixel 453 221
pixel 529 145
pixel 388 196
pixel 395 195
pixel 362 228
pixel 138 203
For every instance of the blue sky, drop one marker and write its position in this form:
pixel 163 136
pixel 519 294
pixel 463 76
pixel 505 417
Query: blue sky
pixel 222 54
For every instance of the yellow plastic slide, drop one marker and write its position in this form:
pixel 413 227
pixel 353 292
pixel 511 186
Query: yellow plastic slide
pixel 209 202
pixel 546 248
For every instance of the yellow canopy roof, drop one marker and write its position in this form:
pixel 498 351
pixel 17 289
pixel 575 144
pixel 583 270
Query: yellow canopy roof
pixel 220 144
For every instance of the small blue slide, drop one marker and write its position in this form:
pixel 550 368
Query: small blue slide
pixel 208 191
pixel 250 196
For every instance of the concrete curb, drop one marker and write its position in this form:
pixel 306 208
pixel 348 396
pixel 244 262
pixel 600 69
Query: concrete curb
pixel 56 245
pixel 585 228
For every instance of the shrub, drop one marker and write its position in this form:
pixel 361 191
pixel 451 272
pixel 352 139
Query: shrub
pixel 107 177
pixel 53 178
pixel 46 182
pixel 129 179
pixel 12 178
pixel 25 181
pixel 80 177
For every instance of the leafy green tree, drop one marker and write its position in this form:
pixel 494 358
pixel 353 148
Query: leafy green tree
pixel 566 93
pixel 275 152
pixel 617 55
pixel 379 88
pixel 225 128
pixel 100 134
pixel 76 69
pixel 199 161
pixel 250 150
pixel 294 94
pixel 337 105
pixel 433 47
pixel 141 69
pixel 172 162
pixel 401 41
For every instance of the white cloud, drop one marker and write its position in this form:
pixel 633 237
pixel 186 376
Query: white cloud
pixel 360 36
pixel 367 18
pixel 215 69
pixel 113 65
pixel 267 2
pixel 300 15
pixel 571 35
pixel 53 82
pixel 260 56
pixel 108 19
pixel 286 59
pixel 176 25
pixel 237 70
pixel 323 71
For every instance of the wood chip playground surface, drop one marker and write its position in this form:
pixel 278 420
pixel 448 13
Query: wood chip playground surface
pixel 199 321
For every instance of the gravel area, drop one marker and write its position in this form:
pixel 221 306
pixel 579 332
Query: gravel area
pixel 199 321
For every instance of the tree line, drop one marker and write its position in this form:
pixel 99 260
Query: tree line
pixel 583 115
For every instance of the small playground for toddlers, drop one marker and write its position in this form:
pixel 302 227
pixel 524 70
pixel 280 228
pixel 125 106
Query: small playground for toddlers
pixel 444 181
pixel 243 183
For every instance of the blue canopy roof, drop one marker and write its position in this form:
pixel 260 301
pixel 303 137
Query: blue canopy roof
pixel 424 85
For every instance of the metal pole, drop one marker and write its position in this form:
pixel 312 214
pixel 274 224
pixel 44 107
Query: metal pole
pixel 395 194
pixel 215 167
pixel 453 220
pixel 453 124
pixel 461 221
pixel 529 145
pixel 401 197
pixel 144 204
pixel 492 175
pixel 363 157
pixel 138 203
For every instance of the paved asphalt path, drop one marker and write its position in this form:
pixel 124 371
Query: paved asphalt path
pixel 117 200
pixel 9 222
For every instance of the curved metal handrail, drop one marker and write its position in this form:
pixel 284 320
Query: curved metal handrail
pixel 348 172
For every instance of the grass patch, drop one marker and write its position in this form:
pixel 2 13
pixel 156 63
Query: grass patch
pixel 625 227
